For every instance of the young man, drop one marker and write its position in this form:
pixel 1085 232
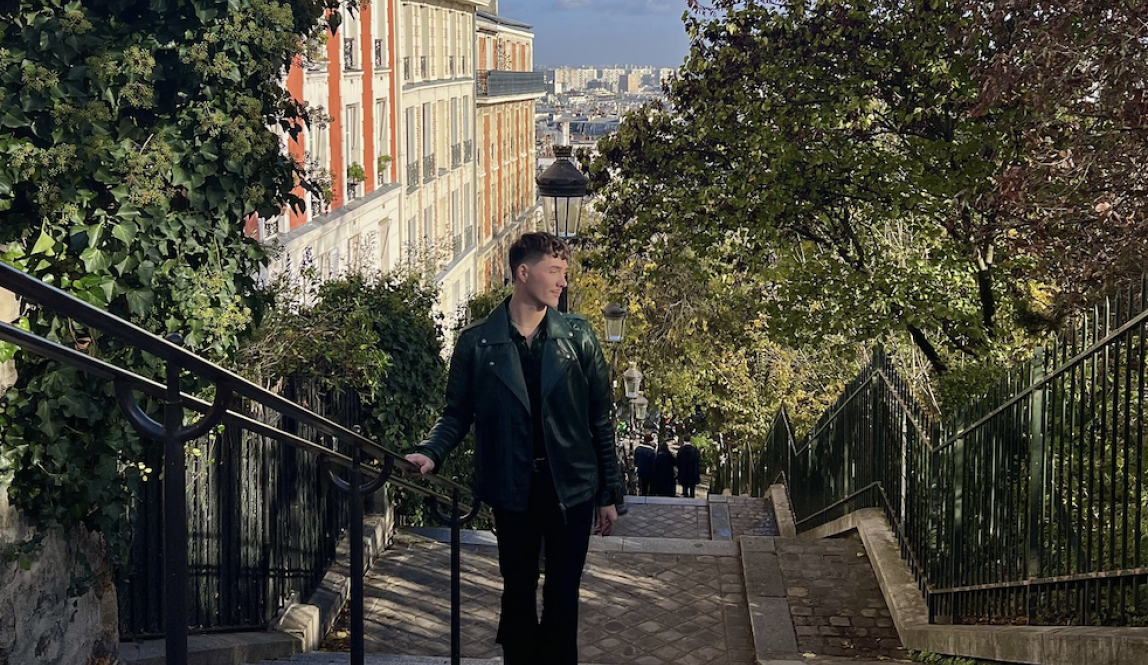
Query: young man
pixel 535 384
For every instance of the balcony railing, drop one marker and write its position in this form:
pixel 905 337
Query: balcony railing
pixel 456 245
pixel 469 236
pixel 378 54
pixel 428 168
pixel 349 61
pixel 423 67
pixel 468 150
pixel 456 155
pixel 412 176
pixel 450 66
pixel 407 68
pixel 498 83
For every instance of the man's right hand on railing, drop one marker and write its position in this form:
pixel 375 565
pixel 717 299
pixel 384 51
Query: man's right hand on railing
pixel 423 463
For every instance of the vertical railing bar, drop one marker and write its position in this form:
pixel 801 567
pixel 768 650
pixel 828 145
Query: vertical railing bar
pixel 455 581
pixel 358 653
pixel 175 522
pixel 1126 453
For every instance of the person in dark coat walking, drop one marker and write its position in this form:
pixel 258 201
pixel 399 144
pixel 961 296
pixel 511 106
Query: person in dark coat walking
pixel 689 468
pixel 644 456
pixel 664 472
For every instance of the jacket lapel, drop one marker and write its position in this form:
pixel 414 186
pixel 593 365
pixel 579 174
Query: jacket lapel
pixel 558 352
pixel 503 357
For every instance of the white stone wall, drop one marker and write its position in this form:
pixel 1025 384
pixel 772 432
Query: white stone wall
pixel 8 313
pixel 39 623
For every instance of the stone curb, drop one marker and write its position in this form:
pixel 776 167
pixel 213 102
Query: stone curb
pixel 769 618
pixel 664 501
pixel 386 659
pixel 625 544
pixel 720 527
pixel 220 649
pixel 310 622
pixel 786 525
pixel 1033 645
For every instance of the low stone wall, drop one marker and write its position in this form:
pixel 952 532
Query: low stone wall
pixel 1032 645
pixel 8 313
pixel 39 622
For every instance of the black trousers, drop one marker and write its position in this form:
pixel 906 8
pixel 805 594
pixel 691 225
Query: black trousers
pixel 646 485
pixel 524 639
pixel 688 491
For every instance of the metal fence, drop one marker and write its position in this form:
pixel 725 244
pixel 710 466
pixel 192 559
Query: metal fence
pixel 1031 510
pixel 263 525
pixel 368 466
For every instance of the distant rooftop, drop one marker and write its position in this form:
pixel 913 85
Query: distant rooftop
pixel 494 18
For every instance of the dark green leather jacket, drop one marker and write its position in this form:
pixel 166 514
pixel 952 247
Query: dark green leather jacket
pixel 486 388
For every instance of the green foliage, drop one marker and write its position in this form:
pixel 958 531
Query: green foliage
pixel 373 334
pixel 134 142
pixel 480 306
pixel 832 148
pixel 355 172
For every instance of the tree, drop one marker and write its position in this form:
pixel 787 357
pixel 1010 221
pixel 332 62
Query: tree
pixel 134 144
pixel 829 139
pixel 1067 77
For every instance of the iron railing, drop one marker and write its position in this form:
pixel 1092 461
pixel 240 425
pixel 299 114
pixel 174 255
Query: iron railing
pixel 1032 510
pixel 262 525
pixel 406 68
pixel 412 176
pixel 467 150
pixel 378 54
pixel 498 83
pixel 429 172
pixel 363 458
pixel 350 62
pixel 456 155
pixel 423 71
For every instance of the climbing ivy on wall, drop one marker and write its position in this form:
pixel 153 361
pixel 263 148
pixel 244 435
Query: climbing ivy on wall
pixel 136 137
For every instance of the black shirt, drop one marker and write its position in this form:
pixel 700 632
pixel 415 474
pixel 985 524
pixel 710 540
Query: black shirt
pixel 531 357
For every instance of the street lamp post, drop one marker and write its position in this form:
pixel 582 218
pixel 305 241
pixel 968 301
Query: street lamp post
pixel 562 188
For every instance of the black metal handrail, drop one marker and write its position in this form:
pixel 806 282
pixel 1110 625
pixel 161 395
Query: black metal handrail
pixel 173 433
pixel 1033 509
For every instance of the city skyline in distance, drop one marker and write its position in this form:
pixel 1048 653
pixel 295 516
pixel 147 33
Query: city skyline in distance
pixel 603 33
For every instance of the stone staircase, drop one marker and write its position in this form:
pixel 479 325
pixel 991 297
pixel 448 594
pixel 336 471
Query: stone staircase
pixel 682 582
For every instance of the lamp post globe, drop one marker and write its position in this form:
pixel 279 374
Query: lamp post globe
pixel 633 380
pixel 615 316
pixel 562 188
pixel 641 406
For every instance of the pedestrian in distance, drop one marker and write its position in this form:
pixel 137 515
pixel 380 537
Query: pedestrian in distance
pixel 689 469
pixel 644 455
pixel 534 383
pixel 664 471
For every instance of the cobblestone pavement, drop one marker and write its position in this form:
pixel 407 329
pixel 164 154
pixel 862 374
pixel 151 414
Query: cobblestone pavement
pixel 752 517
pixel 643 609
pixel 835 600
pixel 665 521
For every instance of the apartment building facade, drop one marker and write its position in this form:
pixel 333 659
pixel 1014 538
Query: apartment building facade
pixel 348 82
pixel 422 137
pixel 507 89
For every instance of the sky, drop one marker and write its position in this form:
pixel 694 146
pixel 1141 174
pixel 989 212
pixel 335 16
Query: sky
pixel 603 32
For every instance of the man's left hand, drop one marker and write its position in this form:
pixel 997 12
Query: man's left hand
pixel 607 516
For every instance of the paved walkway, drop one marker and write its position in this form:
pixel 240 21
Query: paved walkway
pixel 659 592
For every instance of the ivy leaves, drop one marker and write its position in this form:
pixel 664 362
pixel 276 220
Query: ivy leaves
pixel 134 145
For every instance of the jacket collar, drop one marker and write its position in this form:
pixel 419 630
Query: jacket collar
pixel 496 329
pixel 496 333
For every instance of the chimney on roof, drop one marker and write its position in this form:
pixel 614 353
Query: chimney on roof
pixel 492 6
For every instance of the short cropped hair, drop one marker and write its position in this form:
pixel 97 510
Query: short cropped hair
pixel 531 247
